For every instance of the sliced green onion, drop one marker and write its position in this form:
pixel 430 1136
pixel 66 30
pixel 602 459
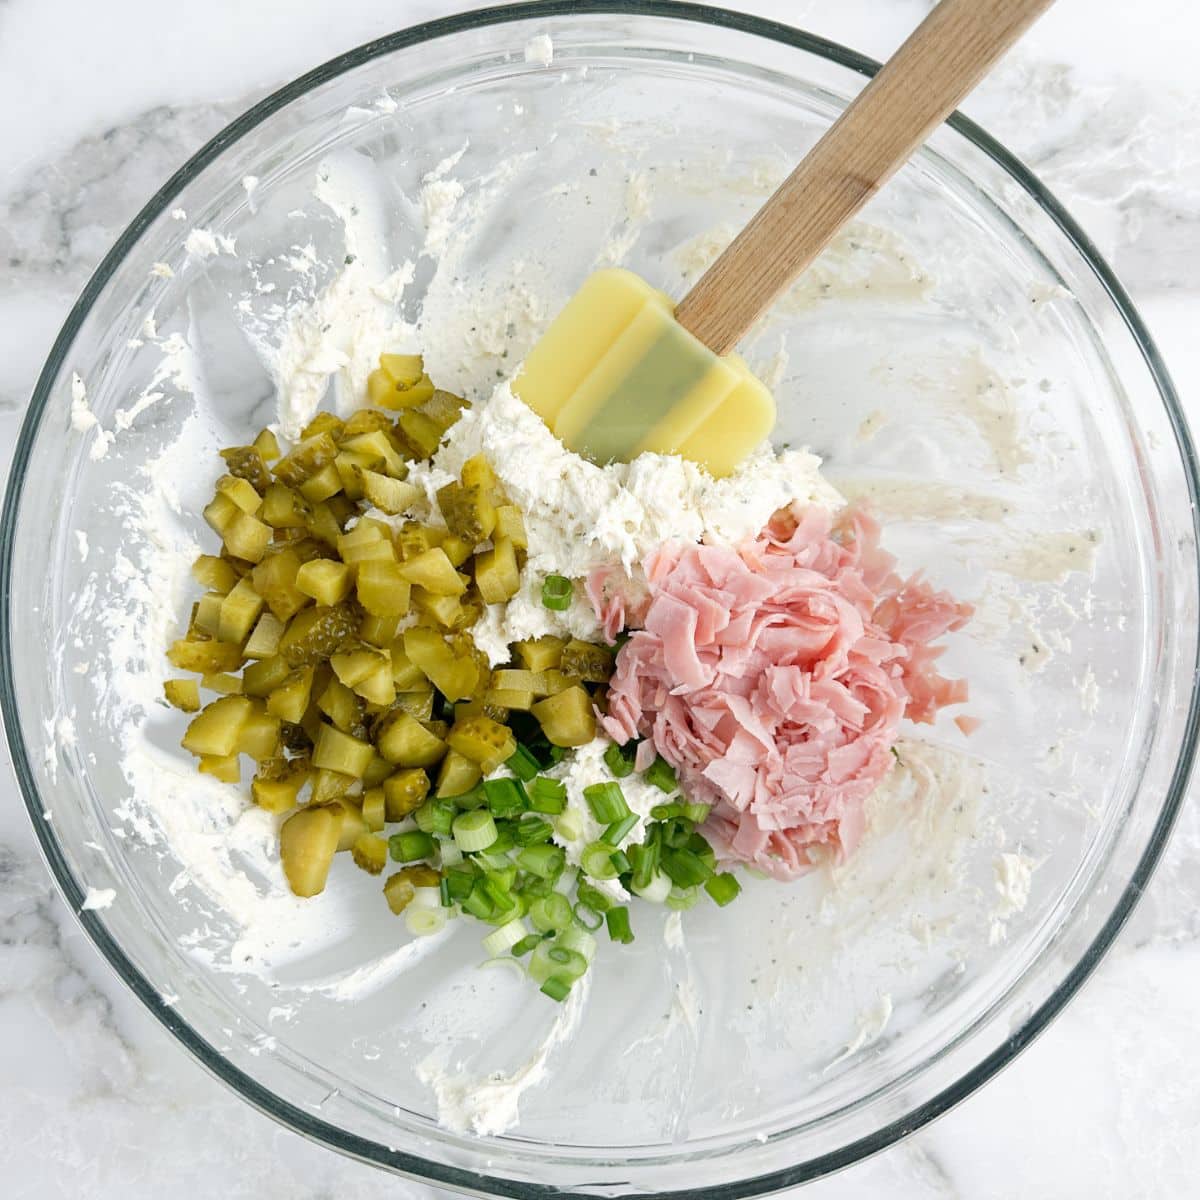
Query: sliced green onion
pixel 556 987
pixel 618 831
pixel 587 916
pixel 551 913
pixel 569 826
pixel 444 893
pixel 540 966
pixel 593 898
pixel 722 888
pixel 685 867
pixel 474 831
pixel 579 940
pixel 607 802
pixel 505 839
pixel 665 812
pixel 657 890
pixel 681 899
pixel 619 929
pixel 458 884
pixel 450 854
pixel 596 861
pixel 434 816
pixel 620 862
pixel 526 944
pixel 547 795
pixel 478 903
pixel 421 922
pixel 566 962
pixel 661 774
pixel 556 593
pixel 546 862
pixel 534 888
pixel 532 830
pixel 644 859
pixel 501 882
pixel 503 939
pixel 505 797
pixel 471 798
pixel 698 813
pixel 523 764
pixel 619 760
pixel 412 846
pixel 566 881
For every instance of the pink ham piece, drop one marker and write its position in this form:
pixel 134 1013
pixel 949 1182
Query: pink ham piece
pixel 774 677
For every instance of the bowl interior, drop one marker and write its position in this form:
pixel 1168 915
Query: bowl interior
pixel 954 358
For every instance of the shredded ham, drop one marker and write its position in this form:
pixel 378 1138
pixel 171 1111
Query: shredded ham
pixel 774 677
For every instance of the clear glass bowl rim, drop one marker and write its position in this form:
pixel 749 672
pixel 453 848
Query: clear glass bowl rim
pixel 304 1122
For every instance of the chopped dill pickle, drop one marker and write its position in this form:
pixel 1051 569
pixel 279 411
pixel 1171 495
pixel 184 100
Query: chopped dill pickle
pixel 183 694
pixel 402 370
pixel 324 422
pixel 353 825
pixel 510 524
pixel 365 421
pixel 457 550
pixel 306 459
pixel 592 664
pixel 341 706
pixel 334 750
pixel 223 682
pixel 567 718
pixel 377 772
pixel 239 612
pixel 214 731
pixel 262 677
pixel 264 641
pixel 417 704
pixel 467 511
pixel 477 472
pixel 457 775
pixel 374 809
pixel 247 537
pixel 227 769
pixel 447 611
pixel 444 408
pixel 389 495
pixel 434 572
pixel 274 580
pixel 317 633
pixel 307 844
pixel 283 508
pixel 482 741
pixel 242 490
pixel 420 435
pixel 321 485
pixel 259 734
pixel 401 887
pixel 403 740
pixel 214 573
pixel 370 852
pixel 326 581
pixel 204 658
pixel 219 512
pixel 540 654
pixel 323 525
pixel 378 631
pixel 267 446
pixel 382 589
pixel 404 792
pixel 496 573
pixel 207 616
pixel 330 785
pixel 455 675
pixel 377 447
pixel 520 699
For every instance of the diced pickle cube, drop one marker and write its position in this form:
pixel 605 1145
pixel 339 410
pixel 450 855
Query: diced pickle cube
pixel 321 485
pixel 263 677
pixel 182 694
pixel 330 785
pixel 404 792
pixel 283 508
pixel 306 459
pixel 226 769
pixel 540 654
pixel 307 843
pixel 378 687
pixel 353 666
pixel 354 825
pixel 341 706
pixel 289 699
pixel 219 512
pixel 323 524
pixel 477 472
pixel 207 616
pixel 358 548
pixel 392 496
pixel 374 808
pixel 483 741
pixel 402 886
pixel 419 434
pixel 444 408
pixel 457 550
pixel 382 589
pixel 457 775
pixel 204 657
pixel 214 573
pixel 510 524
pixel 377 447
pixel 403 740
pixel 241 491
pixel 215 730
pixel 567 718
pixel 377 772
pixel 379 631
pixel 278 795
pixel 467 511
pixel 350 468
pixel 433 571
pixel 557 682
pixel 316 633
pixel 417 704
pixel 413 539
pixel 324 422
pixel 334 750
pixel 264 641
pixel 592 664
pixel 454 675
pixel 247 537
pixel 259 736
pixel 521 681
pixel 496 573
pixel 385 392
pixel 403 370
pixel 275 581
pixel 446 611
pixel 509 698
pixel 406 675
pixel 365 421
pixel 267 445
pixel 370 852
pixel 223 682
pixel 239 611
pixel 326 581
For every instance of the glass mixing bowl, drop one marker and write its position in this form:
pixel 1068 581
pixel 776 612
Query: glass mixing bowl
pixel 961 357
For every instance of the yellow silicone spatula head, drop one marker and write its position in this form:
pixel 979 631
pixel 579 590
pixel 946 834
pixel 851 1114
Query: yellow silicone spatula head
pixel 621 370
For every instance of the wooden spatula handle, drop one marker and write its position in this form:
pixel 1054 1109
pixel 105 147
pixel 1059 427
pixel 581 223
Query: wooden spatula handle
pixel 919 86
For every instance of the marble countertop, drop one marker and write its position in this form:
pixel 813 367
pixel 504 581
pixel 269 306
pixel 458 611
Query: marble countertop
pixel 100 103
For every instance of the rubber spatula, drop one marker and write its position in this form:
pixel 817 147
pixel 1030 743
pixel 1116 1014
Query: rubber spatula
pixel 622 370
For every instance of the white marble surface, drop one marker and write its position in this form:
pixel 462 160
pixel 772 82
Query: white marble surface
pixel 99 103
